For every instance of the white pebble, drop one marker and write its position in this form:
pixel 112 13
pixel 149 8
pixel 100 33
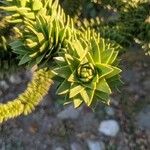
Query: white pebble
pixel 76 146
pixel 95 145
pixel 109 127
pixel 59 148
pixel 4 85
pixel 15 79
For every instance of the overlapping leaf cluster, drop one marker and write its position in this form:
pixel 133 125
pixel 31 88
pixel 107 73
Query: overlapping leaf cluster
pixel 20 9
pixel 43 35
pixel 8 61
pixel 28 9
pixel 41 40
pixel 133 23
pixel 88 66
pixel 82 62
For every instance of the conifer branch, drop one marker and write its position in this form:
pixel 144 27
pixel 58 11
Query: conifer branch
pixel 31 97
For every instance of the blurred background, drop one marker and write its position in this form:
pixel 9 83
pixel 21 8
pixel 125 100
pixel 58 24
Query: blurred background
pixel 124 124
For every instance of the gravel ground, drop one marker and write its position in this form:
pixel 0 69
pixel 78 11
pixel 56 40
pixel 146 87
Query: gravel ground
pixel 124 125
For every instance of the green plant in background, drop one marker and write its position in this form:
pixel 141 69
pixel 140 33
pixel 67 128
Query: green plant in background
pixel 67 49
pixel 138 24
pixel 8 61
pixel 129 24
pixel 20 9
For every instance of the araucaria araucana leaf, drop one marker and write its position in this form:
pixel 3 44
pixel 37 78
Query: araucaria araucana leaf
pixel 41 40
pixel 85 69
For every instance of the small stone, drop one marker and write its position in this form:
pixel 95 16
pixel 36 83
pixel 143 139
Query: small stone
pixel 4 85
pixel 95 145
pixel 109 127
pixel 110 111
pixel 59 148
pixel 70 113
pixel 143 118
pixel 15 79
pixel 76 146
pixel 147 84
pixel 114 102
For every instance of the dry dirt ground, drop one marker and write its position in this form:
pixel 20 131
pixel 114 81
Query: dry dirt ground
pixel 44 129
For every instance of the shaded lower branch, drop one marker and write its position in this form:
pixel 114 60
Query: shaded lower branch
pixel 30 98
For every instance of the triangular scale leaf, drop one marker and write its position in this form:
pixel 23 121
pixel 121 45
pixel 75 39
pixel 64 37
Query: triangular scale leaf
pixel 20 50
pixel 16 44
pixel 106 55
pixel 102 45
pixel 104 69
pixel 24 59
pixel 102 96
pixel 95 51
pixel 39 59
pixel 77 102
pixel 114 72
pixel 103 86
pixel 63 72
pixel 79 49
pixel 75 89
pixel 62 34
pixel 113 57
pixel 91 85
pixel 44 46
pixel 63 88
pixel 72 62
pixel 90 59
pixel 73 78
pixel 87 96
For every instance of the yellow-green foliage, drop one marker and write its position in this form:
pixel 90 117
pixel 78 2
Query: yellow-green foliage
pixel 41 40
pixel 18 10
pixel 31 97
pixel 88 67
pixel 85 63
pixel 8 61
